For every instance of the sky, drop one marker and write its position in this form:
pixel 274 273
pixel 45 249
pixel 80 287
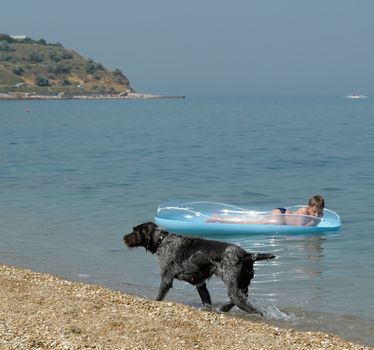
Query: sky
pixel 213 47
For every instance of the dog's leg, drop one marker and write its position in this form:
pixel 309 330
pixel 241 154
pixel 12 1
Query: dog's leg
pixel 204 294
pixel 246 306
pixel 227 307
pixel 239 298
pixel 237 281
pixel 165 285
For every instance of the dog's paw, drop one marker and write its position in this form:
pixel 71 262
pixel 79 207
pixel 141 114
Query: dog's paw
pixel 206 307
pixel 226 307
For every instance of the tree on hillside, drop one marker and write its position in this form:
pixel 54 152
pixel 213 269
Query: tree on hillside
pixel 67 55
pixel 58 56
pixel 119 77
pixel 59 68
pixel 8 58
pixel 4 46
pixel 35 57
pixel 90 67
pixel 41 81
pixel 5 37
pixel 18 71
pixel 55 56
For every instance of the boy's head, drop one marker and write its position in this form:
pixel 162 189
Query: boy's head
pixel 316 205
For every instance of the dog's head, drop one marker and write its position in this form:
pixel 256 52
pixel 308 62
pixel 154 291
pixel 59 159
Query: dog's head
pixel 145 235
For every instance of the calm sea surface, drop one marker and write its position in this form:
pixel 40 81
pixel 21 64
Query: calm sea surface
pixel 76 175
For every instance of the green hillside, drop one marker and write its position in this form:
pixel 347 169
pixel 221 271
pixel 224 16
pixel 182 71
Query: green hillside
pixel 30 66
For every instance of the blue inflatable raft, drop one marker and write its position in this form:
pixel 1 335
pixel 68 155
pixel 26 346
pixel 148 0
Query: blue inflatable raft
pixel 211 218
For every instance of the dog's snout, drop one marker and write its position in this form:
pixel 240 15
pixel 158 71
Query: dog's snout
pixel 131 240
pixel 126 239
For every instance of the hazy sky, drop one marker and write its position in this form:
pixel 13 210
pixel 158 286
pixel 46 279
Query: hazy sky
pixel 213 47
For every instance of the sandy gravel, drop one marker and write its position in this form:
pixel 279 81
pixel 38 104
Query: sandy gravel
pixel 40 311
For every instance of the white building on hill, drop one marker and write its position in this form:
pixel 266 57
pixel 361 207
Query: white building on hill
pixel 18 37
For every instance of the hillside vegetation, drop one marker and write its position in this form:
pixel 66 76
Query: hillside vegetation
pixel 30 66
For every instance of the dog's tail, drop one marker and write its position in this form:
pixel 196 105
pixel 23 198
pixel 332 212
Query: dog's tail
pixel 262 256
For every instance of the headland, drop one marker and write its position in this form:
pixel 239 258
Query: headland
pixel 37 70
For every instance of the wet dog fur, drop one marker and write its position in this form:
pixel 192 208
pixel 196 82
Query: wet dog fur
pixel 195 260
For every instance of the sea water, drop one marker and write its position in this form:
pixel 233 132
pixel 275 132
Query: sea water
pixel 76 175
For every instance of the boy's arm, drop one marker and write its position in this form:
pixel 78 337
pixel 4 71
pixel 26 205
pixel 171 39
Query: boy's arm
pixel 294 219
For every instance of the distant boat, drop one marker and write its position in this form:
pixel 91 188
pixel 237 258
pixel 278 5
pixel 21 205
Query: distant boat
pixel 355 96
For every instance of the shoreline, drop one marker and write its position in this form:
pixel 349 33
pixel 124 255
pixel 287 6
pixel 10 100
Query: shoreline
pixel 127 96
pixel 41 311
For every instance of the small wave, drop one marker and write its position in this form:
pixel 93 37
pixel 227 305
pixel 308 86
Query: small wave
pixel 270 311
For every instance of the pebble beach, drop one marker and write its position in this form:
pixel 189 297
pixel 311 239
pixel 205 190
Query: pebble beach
pixel 40 311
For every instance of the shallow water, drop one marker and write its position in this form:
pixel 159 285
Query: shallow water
pixel 76 175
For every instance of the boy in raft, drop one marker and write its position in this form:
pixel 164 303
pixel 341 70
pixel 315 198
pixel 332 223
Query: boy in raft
pixel 304 216
pixel 315 208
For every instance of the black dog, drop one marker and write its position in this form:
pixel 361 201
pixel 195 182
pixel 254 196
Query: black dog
pixel 195 260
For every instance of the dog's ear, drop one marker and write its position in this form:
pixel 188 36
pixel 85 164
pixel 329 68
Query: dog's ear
pixel 146 225
pixel 262 256
pixel 150 223
pixel 150 243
